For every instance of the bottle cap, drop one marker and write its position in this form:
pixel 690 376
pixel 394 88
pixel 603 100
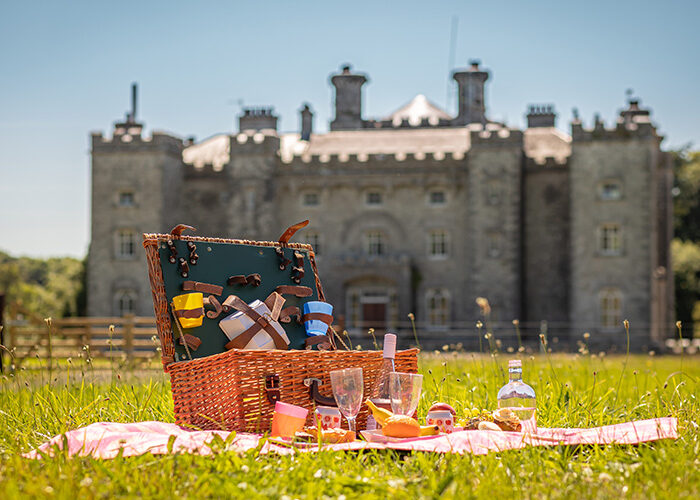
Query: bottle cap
pixel 515 363
pixel 389 345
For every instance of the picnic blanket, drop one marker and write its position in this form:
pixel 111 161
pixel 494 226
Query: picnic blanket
pixel 110 439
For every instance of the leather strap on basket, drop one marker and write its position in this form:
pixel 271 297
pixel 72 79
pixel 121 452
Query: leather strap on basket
pixel 287 313
pixel 297 291
pixel 287 235
pixel 259 323
pixel 326 318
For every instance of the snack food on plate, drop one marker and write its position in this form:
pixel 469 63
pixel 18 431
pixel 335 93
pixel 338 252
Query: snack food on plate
pixel 337 435
pixel 507 420
pixel 488 426
pixel 401 426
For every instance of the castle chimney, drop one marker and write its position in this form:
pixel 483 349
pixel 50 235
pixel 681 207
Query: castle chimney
pixel 254 119
pixel 348 99
pixel 633 110
pixel 541 115
pixel 470 92
pixel 307 122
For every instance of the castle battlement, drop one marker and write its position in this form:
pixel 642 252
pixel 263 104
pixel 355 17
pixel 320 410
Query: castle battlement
pixel 495 136
pixel 337 159
pixel 633 122
pixel 206 171
pixel 131 138
pixel 639 129
pixel 546 163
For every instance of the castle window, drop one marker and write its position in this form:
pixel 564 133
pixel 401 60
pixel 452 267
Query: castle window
pixel 125 302
pixel 374 243
pixel 610 307
pixel 610 190
pixel 310 199
pixel 126 244
pixel 437 198
pixel 373 198
pixel 314 240
pixel 610 239
pixel 126 199
pixel 438 243
pixel 438 304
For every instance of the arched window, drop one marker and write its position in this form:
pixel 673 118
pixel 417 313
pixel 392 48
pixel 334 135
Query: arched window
pixel 610 307
pixel 125 302
pixel 438 305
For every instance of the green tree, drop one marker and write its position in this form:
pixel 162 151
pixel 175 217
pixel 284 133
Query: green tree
pixel 685 249
pixel 45 287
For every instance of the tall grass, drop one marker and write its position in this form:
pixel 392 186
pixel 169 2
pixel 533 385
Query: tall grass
pixel 573 390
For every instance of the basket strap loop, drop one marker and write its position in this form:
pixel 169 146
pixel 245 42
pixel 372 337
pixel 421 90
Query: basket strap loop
pixel 287 235
pixel 177 230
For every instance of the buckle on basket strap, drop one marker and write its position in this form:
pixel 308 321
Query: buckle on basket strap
pixel 272 388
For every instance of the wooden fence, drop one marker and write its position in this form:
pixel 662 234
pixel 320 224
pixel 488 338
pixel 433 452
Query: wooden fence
pixel 129 337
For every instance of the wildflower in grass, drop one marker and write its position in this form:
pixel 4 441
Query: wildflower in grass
pixel 445 347
pixel 411 317
pixel 479 324
pixel 586 335
pixel 652 353
pixel 516 322
pixel 510 349
pixel 484 305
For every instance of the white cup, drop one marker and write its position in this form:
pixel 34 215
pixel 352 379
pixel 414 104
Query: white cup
pixel 442 418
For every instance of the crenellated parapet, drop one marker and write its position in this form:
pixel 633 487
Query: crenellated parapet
pixel 130 138
pixel 495 136
pixel 546 163
pixel 207 171
pixel 262 142
pixel 326 160
pixel 633 122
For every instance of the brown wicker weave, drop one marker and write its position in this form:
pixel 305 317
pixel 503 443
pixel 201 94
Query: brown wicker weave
pixel 227 391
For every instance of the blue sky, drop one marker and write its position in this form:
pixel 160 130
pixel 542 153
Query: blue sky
pixel 66 67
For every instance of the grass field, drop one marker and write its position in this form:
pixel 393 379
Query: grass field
pixel 573 391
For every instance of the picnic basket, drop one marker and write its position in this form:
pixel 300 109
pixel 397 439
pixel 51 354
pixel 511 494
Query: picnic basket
pixel 236 390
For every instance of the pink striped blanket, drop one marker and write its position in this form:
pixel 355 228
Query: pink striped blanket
pixel 109 439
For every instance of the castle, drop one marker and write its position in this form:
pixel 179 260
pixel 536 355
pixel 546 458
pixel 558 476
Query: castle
pixel 419 212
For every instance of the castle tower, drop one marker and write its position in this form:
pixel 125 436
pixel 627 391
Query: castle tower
pixel 620 231
pixel 135 186
pixel 348 99
pixel 470 91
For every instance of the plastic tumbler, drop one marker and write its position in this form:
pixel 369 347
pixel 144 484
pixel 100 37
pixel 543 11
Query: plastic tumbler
pixel 288 419
pixel 317 326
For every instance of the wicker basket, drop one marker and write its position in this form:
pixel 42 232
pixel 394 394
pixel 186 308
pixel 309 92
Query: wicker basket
pixel 236 390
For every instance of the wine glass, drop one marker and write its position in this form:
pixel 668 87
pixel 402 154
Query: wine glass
pixel 347 387
pixel 404 392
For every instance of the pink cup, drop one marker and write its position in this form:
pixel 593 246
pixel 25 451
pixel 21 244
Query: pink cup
pixel 327 417
pixel 443 419
pixel 288 419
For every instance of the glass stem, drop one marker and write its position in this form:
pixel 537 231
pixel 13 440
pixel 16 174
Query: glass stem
pixel 351 424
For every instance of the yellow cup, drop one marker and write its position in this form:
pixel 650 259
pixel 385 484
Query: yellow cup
pixel 189 309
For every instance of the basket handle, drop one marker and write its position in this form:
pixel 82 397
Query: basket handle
pixel 315 395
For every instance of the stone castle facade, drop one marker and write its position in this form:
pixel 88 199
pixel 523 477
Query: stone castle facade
pixel 420 212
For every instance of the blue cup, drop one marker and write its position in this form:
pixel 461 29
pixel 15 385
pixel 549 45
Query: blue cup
pixel 316 326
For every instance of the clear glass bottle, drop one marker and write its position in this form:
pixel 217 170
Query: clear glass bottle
pixel 519 397
pixel 380 396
